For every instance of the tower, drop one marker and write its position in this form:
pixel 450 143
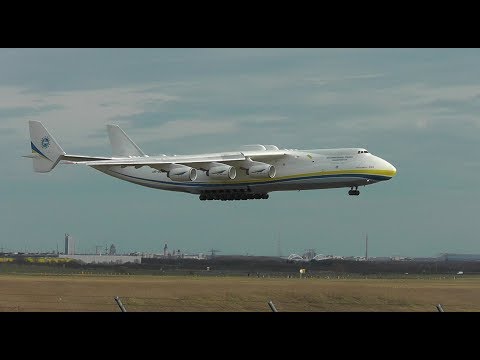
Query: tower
pixel 66 244
pixel 366 247
pixel 279 247
pixel 69 245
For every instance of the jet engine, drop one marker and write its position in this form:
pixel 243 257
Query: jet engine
pixel 222 172
pixel 261 171
pixel 182 174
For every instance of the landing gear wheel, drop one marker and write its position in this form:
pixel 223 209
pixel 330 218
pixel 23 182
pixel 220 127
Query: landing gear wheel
pixel 355 192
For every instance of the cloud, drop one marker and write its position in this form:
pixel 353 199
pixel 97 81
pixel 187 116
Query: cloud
pixel 329 80
pixel 260 118
pixel 71 113
pixel 279 106
pixel 413 105
pixel 185 128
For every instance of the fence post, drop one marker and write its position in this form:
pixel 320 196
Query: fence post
pixel 119 303
pixel 270 303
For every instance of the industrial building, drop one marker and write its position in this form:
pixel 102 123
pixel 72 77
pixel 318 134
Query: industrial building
pixel 105 259
pixel 459 257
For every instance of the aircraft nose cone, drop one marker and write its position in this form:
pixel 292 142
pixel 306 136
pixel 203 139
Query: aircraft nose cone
pixel 392 169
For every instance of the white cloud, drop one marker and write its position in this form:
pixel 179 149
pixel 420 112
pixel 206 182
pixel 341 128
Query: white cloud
pixel 77 117
pixel 260 118
pixel 415 105
pixel 184 128
pixel 71 113
pixel 422 123
pixel 328 80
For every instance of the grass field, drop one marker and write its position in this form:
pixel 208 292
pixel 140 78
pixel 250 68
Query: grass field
pixel 182 293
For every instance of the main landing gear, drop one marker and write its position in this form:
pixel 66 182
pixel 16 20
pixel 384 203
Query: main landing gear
pixel 354 192
pixel 231 195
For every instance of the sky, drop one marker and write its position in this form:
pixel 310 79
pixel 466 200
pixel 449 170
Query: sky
pixel 419 109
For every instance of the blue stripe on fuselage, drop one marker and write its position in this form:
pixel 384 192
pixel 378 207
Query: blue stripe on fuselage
pixel 365 176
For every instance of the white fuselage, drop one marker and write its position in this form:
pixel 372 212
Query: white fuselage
pixel 249 173
pixel 297 170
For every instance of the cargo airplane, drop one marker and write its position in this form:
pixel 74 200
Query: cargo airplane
pixel 251 172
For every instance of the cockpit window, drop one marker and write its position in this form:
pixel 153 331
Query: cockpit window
pixel 362 151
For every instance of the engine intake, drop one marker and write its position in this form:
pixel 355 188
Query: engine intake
pixel 183 174
pixel 222 172
pixel 262 171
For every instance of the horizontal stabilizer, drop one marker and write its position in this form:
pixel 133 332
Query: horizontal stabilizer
pixel 82 158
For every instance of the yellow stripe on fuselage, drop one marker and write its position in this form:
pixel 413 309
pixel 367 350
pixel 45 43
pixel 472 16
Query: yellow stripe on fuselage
pixel 390 173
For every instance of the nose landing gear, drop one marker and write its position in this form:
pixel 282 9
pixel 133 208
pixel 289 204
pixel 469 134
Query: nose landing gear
pixel 354 192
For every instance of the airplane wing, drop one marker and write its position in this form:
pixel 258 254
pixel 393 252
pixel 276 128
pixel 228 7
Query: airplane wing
pixel 195 161
pixel 189 159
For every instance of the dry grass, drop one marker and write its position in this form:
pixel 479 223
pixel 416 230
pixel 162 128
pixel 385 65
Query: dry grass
pixel 180 293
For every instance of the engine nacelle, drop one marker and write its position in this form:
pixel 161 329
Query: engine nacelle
pixel 182 174
pixel 222 172
pixel 262 171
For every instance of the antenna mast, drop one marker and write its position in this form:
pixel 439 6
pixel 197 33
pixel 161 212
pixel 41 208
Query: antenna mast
pixel 366 247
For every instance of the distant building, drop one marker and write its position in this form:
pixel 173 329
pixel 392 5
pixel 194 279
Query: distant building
pixel 69 245
pixel 425 259
pixel 199 256
pixel 380 258
pixel 459 257
pixel 105 259
pixel 113 250
pixel 398 258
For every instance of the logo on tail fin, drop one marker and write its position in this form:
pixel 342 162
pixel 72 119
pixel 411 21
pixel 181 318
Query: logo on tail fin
pixel 45 142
